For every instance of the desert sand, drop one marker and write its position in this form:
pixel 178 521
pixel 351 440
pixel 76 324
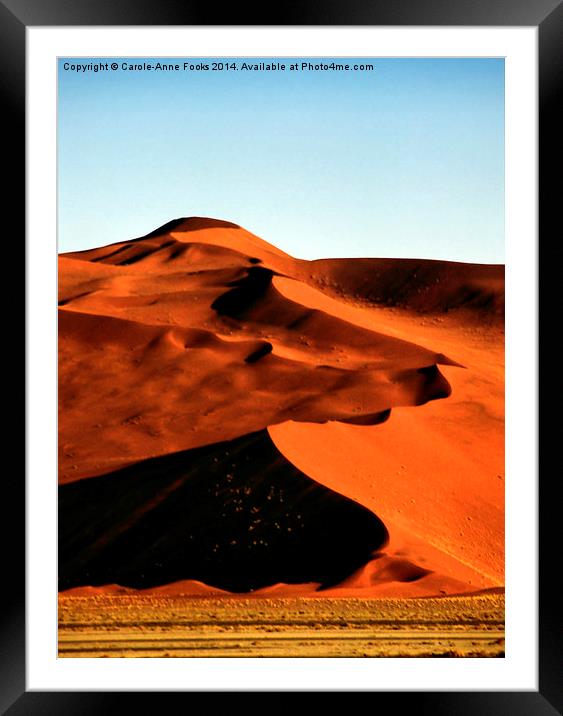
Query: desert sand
pixel 143 626
pixel 233 420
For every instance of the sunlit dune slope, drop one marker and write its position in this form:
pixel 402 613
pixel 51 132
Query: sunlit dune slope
pixel 173 342
pixel 435 476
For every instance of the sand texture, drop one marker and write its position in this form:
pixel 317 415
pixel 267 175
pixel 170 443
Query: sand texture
pixel 156 626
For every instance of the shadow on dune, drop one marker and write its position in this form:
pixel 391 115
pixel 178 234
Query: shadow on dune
pixel 235 515
pixel 244 293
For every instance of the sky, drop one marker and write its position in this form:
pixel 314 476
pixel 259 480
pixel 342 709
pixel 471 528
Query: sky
pixel 405 160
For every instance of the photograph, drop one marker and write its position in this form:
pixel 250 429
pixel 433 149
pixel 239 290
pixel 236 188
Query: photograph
pixel 282 336
pixel 281 356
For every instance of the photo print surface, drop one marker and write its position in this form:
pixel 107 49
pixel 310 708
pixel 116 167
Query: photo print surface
pixel 281 357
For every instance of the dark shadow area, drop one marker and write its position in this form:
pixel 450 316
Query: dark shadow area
pixel 369 419
pixel 400 570
pixel 133 258
pixel 235 515
pixel 264 350
pixel 110 254
pixel 244 293
pixel 129 253
pixel 435 387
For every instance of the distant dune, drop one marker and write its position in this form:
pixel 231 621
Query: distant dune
pixel 420 285
pixel 201 341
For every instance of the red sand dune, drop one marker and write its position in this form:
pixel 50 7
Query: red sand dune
pixel 201 332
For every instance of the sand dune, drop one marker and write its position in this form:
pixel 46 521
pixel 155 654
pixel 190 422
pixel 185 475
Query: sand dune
pixel 201 334
pixel 235 515
pixel 164 351
pixel 417 284
pixel 440 470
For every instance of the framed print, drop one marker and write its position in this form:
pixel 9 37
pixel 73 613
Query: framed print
pixel 270 431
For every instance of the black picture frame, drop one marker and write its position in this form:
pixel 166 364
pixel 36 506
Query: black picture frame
pixel 547 16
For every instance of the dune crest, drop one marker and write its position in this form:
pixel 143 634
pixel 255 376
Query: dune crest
pixel 183 339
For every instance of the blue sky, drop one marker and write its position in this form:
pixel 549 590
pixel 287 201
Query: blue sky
pixel 406 160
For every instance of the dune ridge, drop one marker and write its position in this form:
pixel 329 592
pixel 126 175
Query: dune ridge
pixel 210 333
